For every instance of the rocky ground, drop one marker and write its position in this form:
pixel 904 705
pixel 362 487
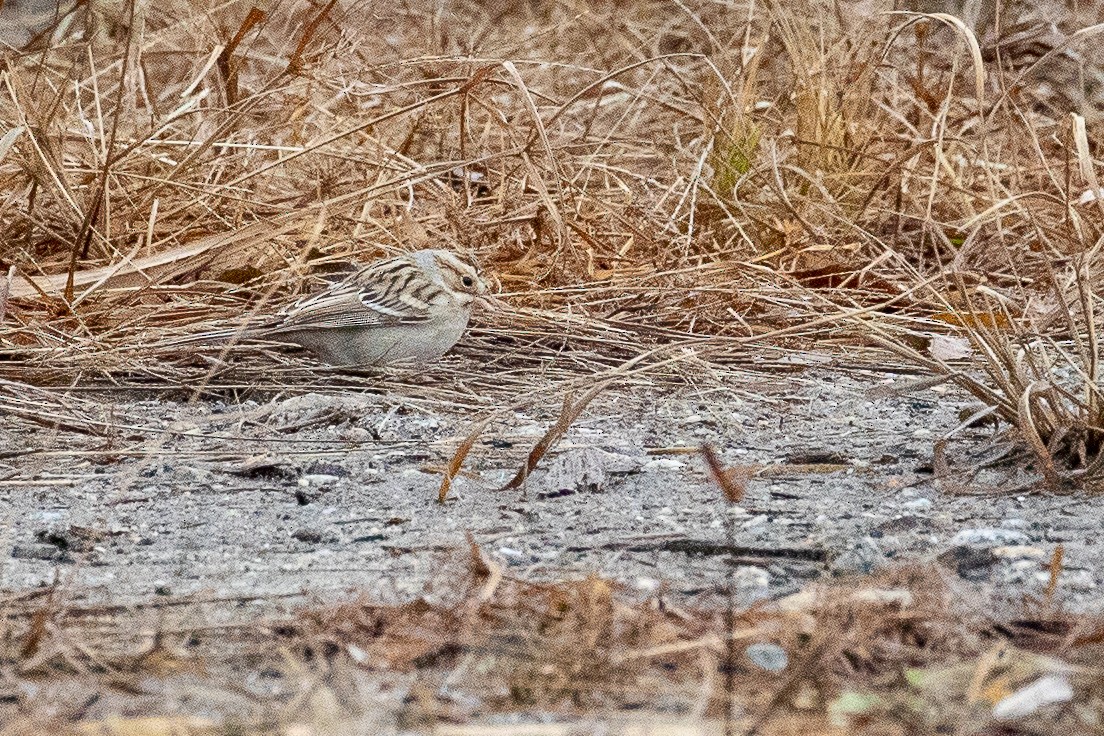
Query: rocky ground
pixel 271 501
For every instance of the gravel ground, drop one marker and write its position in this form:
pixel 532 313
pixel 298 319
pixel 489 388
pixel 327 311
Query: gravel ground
pixel 320 496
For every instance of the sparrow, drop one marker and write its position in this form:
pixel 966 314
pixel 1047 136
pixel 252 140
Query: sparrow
pixel 407 310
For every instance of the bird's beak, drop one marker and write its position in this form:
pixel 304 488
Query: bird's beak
pixel 490 301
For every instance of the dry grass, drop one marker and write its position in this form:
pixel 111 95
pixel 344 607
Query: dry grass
pixel 628 176
pixel 655 179
pixel 651 186
pixel 892 654
pixel 316 135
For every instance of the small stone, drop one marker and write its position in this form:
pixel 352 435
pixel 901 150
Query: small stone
pixel 863 558
pixel 917 505
pixel 585 469
pixel 769 657
pixel 755 521
pixel 751 578
pixel 327 469
pixel 1027 700
pixel 989 537
pixel 308 536
pixel 968 562
pixel 1019 552
pixel 317 479
pixel 949 347
pixel 1024 568
pixel 664 463
pixel 1076 580
pixel 511 554
pixel 46 552
pixel 259 466
pixel 357 434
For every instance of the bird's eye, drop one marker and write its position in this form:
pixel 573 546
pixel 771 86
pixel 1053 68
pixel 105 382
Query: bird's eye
pixel 467 281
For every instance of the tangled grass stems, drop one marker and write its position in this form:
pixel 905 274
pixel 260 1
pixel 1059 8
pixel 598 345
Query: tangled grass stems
pixel 177 164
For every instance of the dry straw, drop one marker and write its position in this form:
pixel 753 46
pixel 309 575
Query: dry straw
pixel 716 178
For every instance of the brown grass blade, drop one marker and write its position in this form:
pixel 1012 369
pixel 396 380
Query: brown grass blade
pixel 731 483
pixel 570 412
pixel 1055 572
pixel 458 457
pixel 159 266
pixel 225 59
pixel 484 568
pixel 5 290
pixel 1085 161
pixel 1035 441
pixel 295 64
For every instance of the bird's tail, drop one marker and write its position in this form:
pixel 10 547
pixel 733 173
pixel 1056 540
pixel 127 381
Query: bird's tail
pixel 222 337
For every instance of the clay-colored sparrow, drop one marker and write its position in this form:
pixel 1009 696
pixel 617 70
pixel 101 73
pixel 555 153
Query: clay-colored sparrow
pixel 409 310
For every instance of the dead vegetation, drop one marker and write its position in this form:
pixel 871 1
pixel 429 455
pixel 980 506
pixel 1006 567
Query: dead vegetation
pixel 892 654
pixel 652 188
pixel 628 177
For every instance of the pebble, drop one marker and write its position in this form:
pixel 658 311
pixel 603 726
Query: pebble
pixel 511 554
pixel 664 463
pixel 1019 552
pixel 751 584
pixel 45 552
pixel 1079 580
pixel 865 557
pixel 755 521
pixel 1027 700
pixel 969 562
pixel 317 479
pixel 989 537
pixel 917 504
pixel 356 434
pixel 769 657
pixel 327 469
pixel 309 536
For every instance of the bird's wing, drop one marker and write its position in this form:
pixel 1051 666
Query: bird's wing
pixel 351 305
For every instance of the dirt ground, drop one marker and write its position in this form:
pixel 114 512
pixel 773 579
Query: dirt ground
pixel 272 501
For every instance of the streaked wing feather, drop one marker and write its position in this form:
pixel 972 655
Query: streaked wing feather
pixel 352 305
